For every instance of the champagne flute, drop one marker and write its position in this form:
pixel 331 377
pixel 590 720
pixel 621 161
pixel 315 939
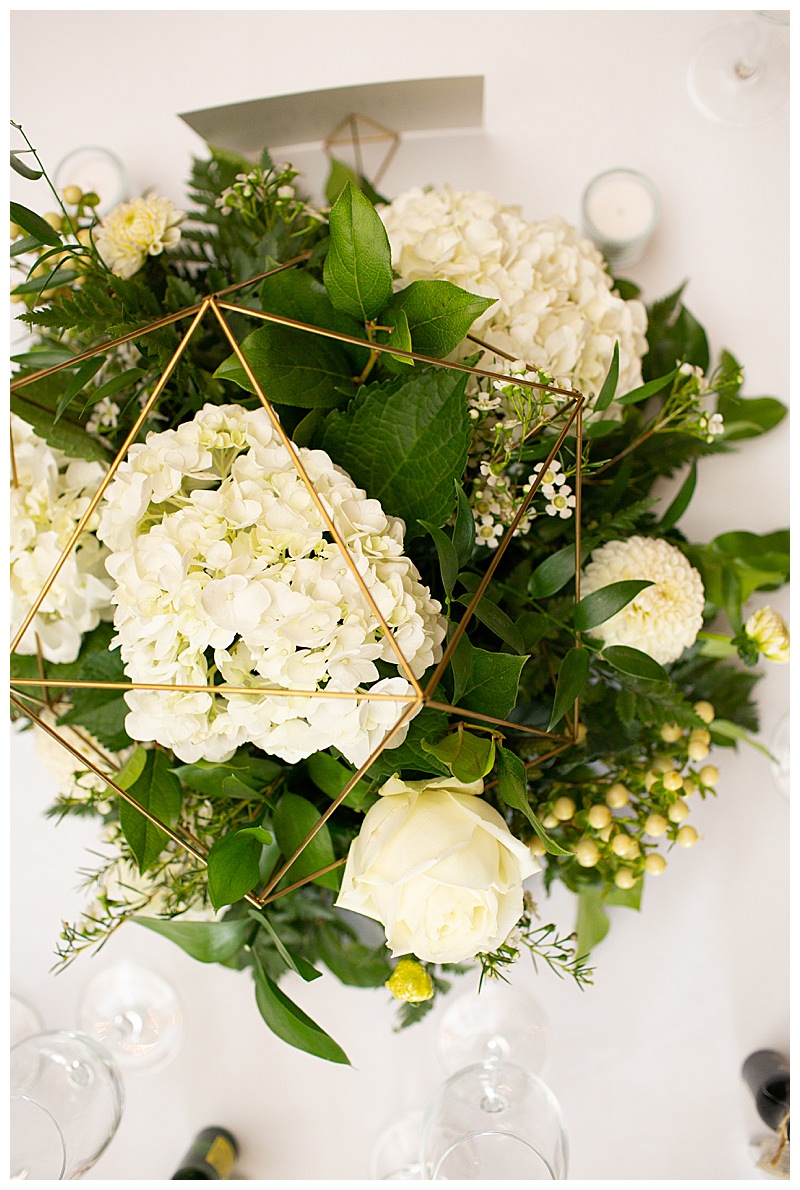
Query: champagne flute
pixel 135 1014
pixel 499 1022
pixel 740 73
pixel 66 1104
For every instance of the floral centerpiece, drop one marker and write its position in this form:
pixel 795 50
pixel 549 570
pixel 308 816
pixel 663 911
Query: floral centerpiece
pixel 358 601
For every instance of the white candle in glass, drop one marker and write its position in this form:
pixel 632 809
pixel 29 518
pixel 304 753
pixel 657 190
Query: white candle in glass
pixel 620 211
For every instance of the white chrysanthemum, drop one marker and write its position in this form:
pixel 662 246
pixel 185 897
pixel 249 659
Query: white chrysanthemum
pixel 225 571
pixel 555 306
pixel 663 619
pixel 134 230
pixel 49 494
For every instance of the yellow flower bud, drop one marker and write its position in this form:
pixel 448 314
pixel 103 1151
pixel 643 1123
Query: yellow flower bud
pixel 72 195
pixel 587 853
pixel 678 811
pixel 697 750
pixel 673 781
pixel 655 863
pixel 670 732
pixel 599 816
pixel 563 808
pixel 617 796
pixel 709 774
pixel 621 844
pixel 54 219
pixel 536 847
pixel 687 836
pixel 410 981
pixel 655 825
pixel 625 878
pixel 705 711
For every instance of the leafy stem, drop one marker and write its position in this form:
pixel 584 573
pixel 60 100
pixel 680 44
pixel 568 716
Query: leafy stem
pixel 46 177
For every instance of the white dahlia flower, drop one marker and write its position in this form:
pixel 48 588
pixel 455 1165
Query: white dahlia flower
pixel 663 619
pixel 768 631
pixel 134 230
pixel 50 492
pixel 225 571
pixel 555 306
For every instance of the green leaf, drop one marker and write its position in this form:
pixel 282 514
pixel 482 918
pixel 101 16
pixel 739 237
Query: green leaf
pixel 681 501
pixel 250 774
pixel 338 177
pixel 629 898
pixel 353 963
pixel 732 731
pixel 156 790
pixel 390 433
pixel 439 314
pixel 23 169
pixel 132 769
pixel 410 756
pixel 491 688
pixel 295 294
pixel 460 664
pixel 606 394
pixel 400 337
pixel 292 367
pixel 358 267
pixel 747 417
pixel 331 776
pixel 498 622
pixel 572 676
pixel 635 663
pixel 35 225
pixel 289 1022
pixel 103 712
pixel 51 281
pixel 206 941
pixel 81 377
pixel 512 786
pixel 552 574
pixel 294 817
pixel 117 383
pixel 464 528
pixel 592 923
pixel 604 603
pixel 448 558
pixel 644 391
pixel 36 404
pixel 23 246
pixel 233 864
pixel 673 333
pixel 296 963
pixel 43 357
pixel 469 757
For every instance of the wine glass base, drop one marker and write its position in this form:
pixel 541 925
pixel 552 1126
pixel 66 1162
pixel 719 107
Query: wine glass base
pixel 135 1014
pixel 726 88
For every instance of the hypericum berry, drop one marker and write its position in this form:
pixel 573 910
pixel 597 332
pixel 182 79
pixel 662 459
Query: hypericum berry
pixel 697 750
pixel 621 844
pixel 587 853
pixel 678 811
pixel 625 878
pixel 72 195
pixel 54 219
pixel 617 796
pixel 709 774
pixel 699 734
pixel 655 863
pixel 655 825
pixel 599 816
pixel 536 847
pixel 705 711
pixel 689 787
pixel 672 781
pixel 549 821
pixel 563 808
pixel 670 733
pixel 687 836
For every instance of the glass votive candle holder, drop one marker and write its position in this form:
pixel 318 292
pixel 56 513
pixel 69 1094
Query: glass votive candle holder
pixel 620 210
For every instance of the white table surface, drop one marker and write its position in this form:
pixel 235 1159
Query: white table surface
pixel 646 1063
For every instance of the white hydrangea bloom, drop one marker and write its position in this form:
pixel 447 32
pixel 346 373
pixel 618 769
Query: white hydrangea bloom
pixel 134 230
pixel 663 619
pixel 50 492
pixel 225 571
pixel 555 306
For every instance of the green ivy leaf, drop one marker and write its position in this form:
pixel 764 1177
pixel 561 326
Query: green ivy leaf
pixel 635 663
pixel 234 864
pixel 388 436
pixel 469 757
pixel 606 394
pixel 206 941
pixel 157 790
pixel 439 314
pixel 572 677
pixel 358 267
pixel 512 785
pixel 293 819
pixel 604 603
pixel 289 1022
pixel 35 225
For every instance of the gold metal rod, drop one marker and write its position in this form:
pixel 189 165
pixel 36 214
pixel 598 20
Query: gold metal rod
pixel 381 347
pixel 337 801
pixel 465 714
pixel 578 560
pixel 14 474
pixel 337 863
pixel 151 326
pixel 326 516
pixel 280 691
pixel 384 165
pixel 106 480
pixel 480 590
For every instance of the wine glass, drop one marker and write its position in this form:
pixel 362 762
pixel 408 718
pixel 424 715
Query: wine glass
pixel 500 1022
pixel 135 1014
pixel 66 1104
pixel 779 747
pixel 395 1154
pixel 25 1019
pixel 493 1121
pixel 740 73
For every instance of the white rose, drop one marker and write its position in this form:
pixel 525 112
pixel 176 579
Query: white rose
pixel 439 868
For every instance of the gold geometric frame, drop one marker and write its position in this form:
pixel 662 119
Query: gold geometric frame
pixel 215 305
pixel 348 132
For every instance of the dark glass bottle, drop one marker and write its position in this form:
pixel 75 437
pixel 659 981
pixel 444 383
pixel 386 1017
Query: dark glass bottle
pixel 766 1073
pixel 212 1154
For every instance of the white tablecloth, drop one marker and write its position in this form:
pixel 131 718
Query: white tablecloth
pixel 647 1062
